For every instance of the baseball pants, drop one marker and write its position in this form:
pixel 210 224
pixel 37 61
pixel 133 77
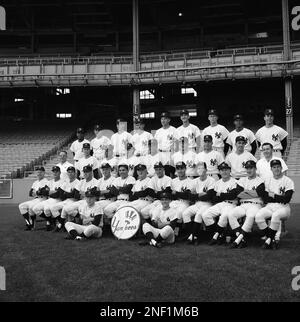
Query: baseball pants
pixel 147 211
pixel 89 231
pixel 196 210
pixel 110 210
pixel 221 209
pixel 167 233
pixel 44 206
pixel 247 209
pixel 138 204
pixel 71 209
pixel 27 206
pixel 180 206
pixel 276 212
pixel 56 208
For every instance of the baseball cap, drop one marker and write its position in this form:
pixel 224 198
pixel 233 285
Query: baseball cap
pixel 87 168
pixel 269 111
pixel 40 169
pixel 207 138
pixel 97 127
pixel 165 114
pixel 165 195
pixel 212 112
pixel 139 121
pixel 55 169
pixel 158 165
pixel 240 138
pixel 90 193
pixel 71 168
pixel 123 165
pixel 105 165
pixel 141 166
pixel 238 117
pixel 224 166
pixel 250 164
pixel 80 130
pixel 180 165
pixel 86 146
pixel 275 162
pixel 184 112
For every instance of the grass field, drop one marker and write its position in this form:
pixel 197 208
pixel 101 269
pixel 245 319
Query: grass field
pixel 43 266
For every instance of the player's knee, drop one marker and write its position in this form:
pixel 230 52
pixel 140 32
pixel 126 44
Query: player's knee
pixel 68 226
pixel 198 218
pixel 186 216
pixel 166 232
pixel 259 217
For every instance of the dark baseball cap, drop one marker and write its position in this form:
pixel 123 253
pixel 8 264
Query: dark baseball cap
pixel 91 193
pixel 184 112
pixel 97 127
pixel 207 138
pixel 212 112
pixel 71 168
pixel 250 164
pixel 87 168
pixel 80 130
pixel 224 166
pixel 105 166
pixel 86 146
pixel 269 111
pixel 55 169
pixel 240 138
pixel 139 121
pixel 180 165
pixel 165 195
pixel 275 162
pixel 238 117
pixel 165 114
pixel 123 165
pixel 158 165
pixel 40 169
pixel 141 166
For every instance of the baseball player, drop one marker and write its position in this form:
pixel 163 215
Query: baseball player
pixel 123 184
pixel 210 157
pixel 166 143
pixel 162 225
pixel 67 195
pixel 240 130
pixel 38 195
pixel 131 160
pixel 238 158
pixel 42 209
pixel 251 191
pixel 70 211
pixel 225 199
pixel 263 164
pixel 64 165
pixel 273 134
pixel 218 132
pixel 279 192
pixel 141 140
pixel 202 194
pixel 188 156
pixel 100 144
pixel 189 131
pixel 87 159
pixel 76 146
pixel 159 183
pixel 91 221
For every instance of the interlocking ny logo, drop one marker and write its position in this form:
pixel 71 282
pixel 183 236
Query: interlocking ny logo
pixel 275 137
pixel 2 18
pixel 2 279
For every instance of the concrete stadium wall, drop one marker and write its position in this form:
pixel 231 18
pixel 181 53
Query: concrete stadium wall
pixel 21 189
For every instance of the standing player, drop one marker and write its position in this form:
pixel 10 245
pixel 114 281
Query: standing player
pixel 141 141
pixel 251 191
pixel 91 221
pixel 162 225
pixel 202 195
pixel 263 164
pixel 210 157
pixel 131 160
pixel 238 158
pixel 37 191
pixel 64 165
pixel 100 144
pixel 240 130
pixel 225 200
pixel 123 184
pixel 279 192
pixel 87 160
pixel 166 143
pixel 76 146
pixel 189 131
pixel 218 132
pixel 273 134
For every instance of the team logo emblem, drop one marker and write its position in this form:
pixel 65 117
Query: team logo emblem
pixel 191 135
pixel 253 188
pixel 205 189
pixel 282 190
pixel 218 135
pixel 170 137
pixel 213 162
pixel 275 137
pixel 228 190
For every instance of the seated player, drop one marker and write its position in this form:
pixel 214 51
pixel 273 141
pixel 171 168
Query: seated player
pixel 53 192
pixel 70 211
pixel 159 183
pixel 38 195
pixel 91 221
pixel 68 197
pixel 202 194
pixel 225 199
pixel 162 225
pixel 123 184
pixel 251 191
pixel 279 192
pixel 87 159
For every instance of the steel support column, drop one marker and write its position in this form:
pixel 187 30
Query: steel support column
pixel 287 80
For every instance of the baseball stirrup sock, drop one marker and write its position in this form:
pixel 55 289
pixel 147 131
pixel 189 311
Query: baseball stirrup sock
pixel 149 236
pixel 159 239
pixel 271 233
pixel 73 233
pixel 26 217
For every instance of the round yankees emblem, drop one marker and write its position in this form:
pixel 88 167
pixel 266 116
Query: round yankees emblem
pixel 125 222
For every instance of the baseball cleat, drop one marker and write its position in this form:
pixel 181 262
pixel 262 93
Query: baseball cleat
pixel 27 228
pixel 78 238
pixel 57 229
pixel 267 244
pixel 213 242
pixel 234 245
pixel 275 244
pixel 68 237
pixel 243 244
pixel 144 243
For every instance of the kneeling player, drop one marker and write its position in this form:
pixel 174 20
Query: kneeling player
pixel 163 223
pixel 226 199
pixel 279 192
pixel 251 191
pixel 90 218
pixel 203 191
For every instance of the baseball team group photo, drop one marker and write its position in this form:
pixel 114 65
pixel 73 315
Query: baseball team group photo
pixel 164 167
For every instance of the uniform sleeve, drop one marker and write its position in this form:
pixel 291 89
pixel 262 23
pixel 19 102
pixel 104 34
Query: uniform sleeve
pixel 251 137
pixel 197 131
pixel 95 164
pixel 258 135
pixel 219 158
pixel 229 140
pixel 225 133
pixel 282 134
pixel 72 148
